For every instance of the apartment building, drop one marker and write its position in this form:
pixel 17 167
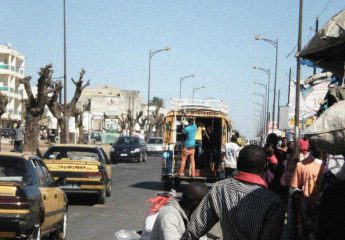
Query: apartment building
pixel 12 65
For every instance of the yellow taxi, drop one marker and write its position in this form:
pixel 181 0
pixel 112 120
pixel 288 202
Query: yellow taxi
pixel 86 168
pixel 31 203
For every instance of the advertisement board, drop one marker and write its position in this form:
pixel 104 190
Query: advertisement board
pixel 107 105
pixel 310 100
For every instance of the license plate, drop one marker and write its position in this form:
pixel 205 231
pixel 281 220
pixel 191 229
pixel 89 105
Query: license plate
pixel 123 154
pixel 71 186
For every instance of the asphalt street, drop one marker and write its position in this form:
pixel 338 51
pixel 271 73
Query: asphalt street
pixel 133 184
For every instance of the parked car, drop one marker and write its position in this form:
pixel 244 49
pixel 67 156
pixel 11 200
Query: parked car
pixel 7 132
pixel 96 137
pixel 86 168
pixel 31 203
pixel 154 145
pixel 128 148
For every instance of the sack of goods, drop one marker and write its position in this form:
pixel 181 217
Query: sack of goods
pixel 328 131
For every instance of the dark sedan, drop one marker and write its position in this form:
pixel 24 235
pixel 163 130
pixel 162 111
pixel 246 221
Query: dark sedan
pixel 128 148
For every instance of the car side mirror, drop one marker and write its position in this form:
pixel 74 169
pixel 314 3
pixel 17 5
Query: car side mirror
pixel 61 182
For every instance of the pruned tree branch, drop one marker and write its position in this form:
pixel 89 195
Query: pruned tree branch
pixel 3 103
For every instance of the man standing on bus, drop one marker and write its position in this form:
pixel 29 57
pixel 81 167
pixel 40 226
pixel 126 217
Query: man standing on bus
pixel 188 149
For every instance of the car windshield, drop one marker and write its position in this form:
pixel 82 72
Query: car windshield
pixel 127 141
pixel 155 141
pixel 85 154
pixel 13 169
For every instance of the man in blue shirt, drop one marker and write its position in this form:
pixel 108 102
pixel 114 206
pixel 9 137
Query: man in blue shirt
pixel 188 149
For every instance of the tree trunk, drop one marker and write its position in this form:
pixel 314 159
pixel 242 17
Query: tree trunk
pixel 81 134
pixel 32 129
pixel 63 124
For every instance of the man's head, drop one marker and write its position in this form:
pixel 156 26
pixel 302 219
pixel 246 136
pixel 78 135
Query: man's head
pixel 314 151
pixel 190 121
pixel 234 138
pixel 19 123
pixel 273 139
pixel 252 159
pixel 192 195
pixel 284 142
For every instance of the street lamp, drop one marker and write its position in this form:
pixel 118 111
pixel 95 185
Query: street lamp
pixel 275 45
pixel 181 80
pixel 260 118
pixel 268 72
pixel 262 111
pixel 152 53
pixel 196 89
pixel 265 104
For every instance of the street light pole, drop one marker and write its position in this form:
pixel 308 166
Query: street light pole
pixel 181 80
pixel 263 109
pixel 265 105
pixel 196 89
pixel 152 53
pixel 268 72
pixel 64 69
pixel 275 44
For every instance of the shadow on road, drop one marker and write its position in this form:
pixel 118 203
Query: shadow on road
pixel 85 200
pixel 151 185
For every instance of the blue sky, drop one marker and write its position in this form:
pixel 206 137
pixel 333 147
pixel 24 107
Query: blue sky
pixel 212 39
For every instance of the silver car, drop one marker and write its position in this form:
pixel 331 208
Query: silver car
pixel 154 145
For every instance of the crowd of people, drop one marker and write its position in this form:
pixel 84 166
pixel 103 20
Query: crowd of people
pixel 269 193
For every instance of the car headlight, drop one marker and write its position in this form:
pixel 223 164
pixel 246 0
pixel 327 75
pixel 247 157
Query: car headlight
pixel 136 150
pixel 112 149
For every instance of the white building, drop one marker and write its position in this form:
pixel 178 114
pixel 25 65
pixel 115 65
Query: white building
pixel 11 70
pixel 108 103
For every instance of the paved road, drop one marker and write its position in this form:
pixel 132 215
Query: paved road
pixel 133 183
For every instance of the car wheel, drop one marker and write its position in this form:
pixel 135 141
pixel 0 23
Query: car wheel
pixel 61 232
pixel 108 192
pixel 113 160
pixel 36 233
pixel 140 158
pixel 101 197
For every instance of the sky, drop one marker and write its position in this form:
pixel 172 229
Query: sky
pixel 214 40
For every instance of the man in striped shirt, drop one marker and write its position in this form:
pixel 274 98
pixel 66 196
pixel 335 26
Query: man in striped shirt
pixel 244 206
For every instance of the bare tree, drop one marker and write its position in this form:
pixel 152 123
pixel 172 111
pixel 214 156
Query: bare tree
pixel 3 103
pixel 34 106
pixel 122 122
pixel 78 115
pixel 156 119
pixel 141 120
pixel 57 109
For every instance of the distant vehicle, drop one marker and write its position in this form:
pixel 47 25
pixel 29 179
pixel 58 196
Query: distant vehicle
pixel 128 148
pixel 96 137
pixel 154 145
pixel 31 203
pixel 214 130
pixel 7 132
pixel 86 168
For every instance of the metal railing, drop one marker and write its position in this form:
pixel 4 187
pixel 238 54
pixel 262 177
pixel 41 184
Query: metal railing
pixel 215 105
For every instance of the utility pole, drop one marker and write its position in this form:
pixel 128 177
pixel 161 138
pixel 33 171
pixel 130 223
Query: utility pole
pixel 65 69
pixel 298 77
pixel 278 108
pixel 316 30
pixel 289 87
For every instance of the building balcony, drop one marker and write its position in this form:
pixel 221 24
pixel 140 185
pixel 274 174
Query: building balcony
pixel 4 66
pixel 9 69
